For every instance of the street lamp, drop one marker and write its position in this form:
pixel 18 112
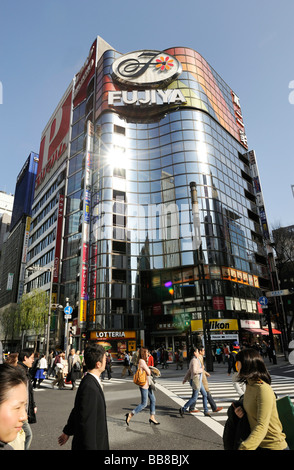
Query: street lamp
pixel 51 270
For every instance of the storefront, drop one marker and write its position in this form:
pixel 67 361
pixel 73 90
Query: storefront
pixel 253 334
pixel 115 342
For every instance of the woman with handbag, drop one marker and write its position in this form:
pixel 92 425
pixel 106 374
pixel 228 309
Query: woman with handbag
pixel 194 374
pixel 145 390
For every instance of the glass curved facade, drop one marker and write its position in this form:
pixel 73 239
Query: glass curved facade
pixel 144 252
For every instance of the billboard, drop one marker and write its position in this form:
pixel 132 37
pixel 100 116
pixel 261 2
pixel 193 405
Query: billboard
pixel 55 140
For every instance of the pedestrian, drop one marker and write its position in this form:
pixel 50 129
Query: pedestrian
pixel 164 358
pixel 40 372
pixel 12 359
pixel 226 352
pixel 150 362
pixel 194 375
pixel 126 365
pixel 259 404
pixel 135 358
pixel 181 359
pixel 87 421
pixel 13 404
pixel 60 371
pixel 218 353
pixel 145 390
pixel 34 367
pixel 239 387
pixel 107 366
pixel 74 368
pixel 51 359
pixel 205 388
pixel 25 362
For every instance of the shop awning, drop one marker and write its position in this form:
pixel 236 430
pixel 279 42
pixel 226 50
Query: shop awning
pixel 275 332
pixel 259 331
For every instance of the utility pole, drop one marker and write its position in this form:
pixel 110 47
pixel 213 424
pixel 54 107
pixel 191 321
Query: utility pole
pixel 199 262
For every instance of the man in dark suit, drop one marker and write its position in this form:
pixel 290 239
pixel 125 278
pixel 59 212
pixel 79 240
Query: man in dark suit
pixel 87 421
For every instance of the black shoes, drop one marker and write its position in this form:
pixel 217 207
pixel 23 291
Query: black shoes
pixel 181 411
pixel 127 417
pixel 154 422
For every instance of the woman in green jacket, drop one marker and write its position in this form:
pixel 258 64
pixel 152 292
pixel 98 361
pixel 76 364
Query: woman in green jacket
pixel 259 404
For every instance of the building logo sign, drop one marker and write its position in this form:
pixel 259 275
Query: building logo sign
pixel 146 69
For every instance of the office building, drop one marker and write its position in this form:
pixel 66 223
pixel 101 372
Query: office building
pixel 161 231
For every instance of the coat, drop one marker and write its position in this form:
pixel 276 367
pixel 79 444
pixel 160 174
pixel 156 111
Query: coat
pixel 31 401
pixel 236 429
pixel 73 371
pixel 87 421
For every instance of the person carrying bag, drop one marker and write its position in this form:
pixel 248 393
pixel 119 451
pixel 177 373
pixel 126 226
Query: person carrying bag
pixel 141 379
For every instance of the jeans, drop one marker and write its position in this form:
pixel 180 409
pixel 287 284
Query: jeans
pixel 191 403
pixel 145 393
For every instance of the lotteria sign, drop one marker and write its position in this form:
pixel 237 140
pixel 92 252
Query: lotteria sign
pixel 145 73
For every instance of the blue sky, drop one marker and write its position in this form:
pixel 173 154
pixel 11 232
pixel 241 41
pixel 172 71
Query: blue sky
pixel 250 44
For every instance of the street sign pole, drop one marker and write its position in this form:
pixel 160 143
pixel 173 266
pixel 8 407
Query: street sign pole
pixel 263 301
pixel 67 315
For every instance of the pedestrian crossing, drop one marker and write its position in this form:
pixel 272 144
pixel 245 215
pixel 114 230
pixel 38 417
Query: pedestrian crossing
pixel 47 383
pixel 223 393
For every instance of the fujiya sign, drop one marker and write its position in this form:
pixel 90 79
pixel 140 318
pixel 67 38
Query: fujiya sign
pixel 146 68
pixel 146 97
pixel 150 69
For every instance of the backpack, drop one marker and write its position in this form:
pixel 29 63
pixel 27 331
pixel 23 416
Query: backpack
pixel 140 377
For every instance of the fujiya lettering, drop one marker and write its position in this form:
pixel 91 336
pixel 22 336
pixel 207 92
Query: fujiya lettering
pixel 146 97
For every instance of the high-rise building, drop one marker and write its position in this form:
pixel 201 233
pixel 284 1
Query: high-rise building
pixel 161 229
pixel 14 250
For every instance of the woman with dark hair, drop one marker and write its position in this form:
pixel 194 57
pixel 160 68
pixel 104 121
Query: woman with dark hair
pixel 194 375
pixel 259 404
pixel 13 402
pixel 145 390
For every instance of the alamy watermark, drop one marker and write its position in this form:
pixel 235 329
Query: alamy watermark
pixel 1 93
pixel 291 94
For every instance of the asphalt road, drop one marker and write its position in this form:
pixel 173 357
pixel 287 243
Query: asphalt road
pixel 173 434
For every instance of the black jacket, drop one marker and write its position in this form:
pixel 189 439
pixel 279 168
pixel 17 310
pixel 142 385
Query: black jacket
pixel 236 429
pixel 31 403
pixel 87 421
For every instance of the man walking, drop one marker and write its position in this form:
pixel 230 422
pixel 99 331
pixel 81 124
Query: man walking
pixel 204 387
pixel 87 421
pixel 25 362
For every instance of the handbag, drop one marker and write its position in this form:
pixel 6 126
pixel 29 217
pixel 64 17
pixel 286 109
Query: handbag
pixel 285 409
pixel 196 382
pixel 140 377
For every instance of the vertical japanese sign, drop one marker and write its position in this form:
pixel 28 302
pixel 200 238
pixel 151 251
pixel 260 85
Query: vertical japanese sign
pixel 58 238
pixel 84 264
pixel 239 119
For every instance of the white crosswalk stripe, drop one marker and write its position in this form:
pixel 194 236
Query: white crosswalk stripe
pixel 47 383
pixel 223 392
